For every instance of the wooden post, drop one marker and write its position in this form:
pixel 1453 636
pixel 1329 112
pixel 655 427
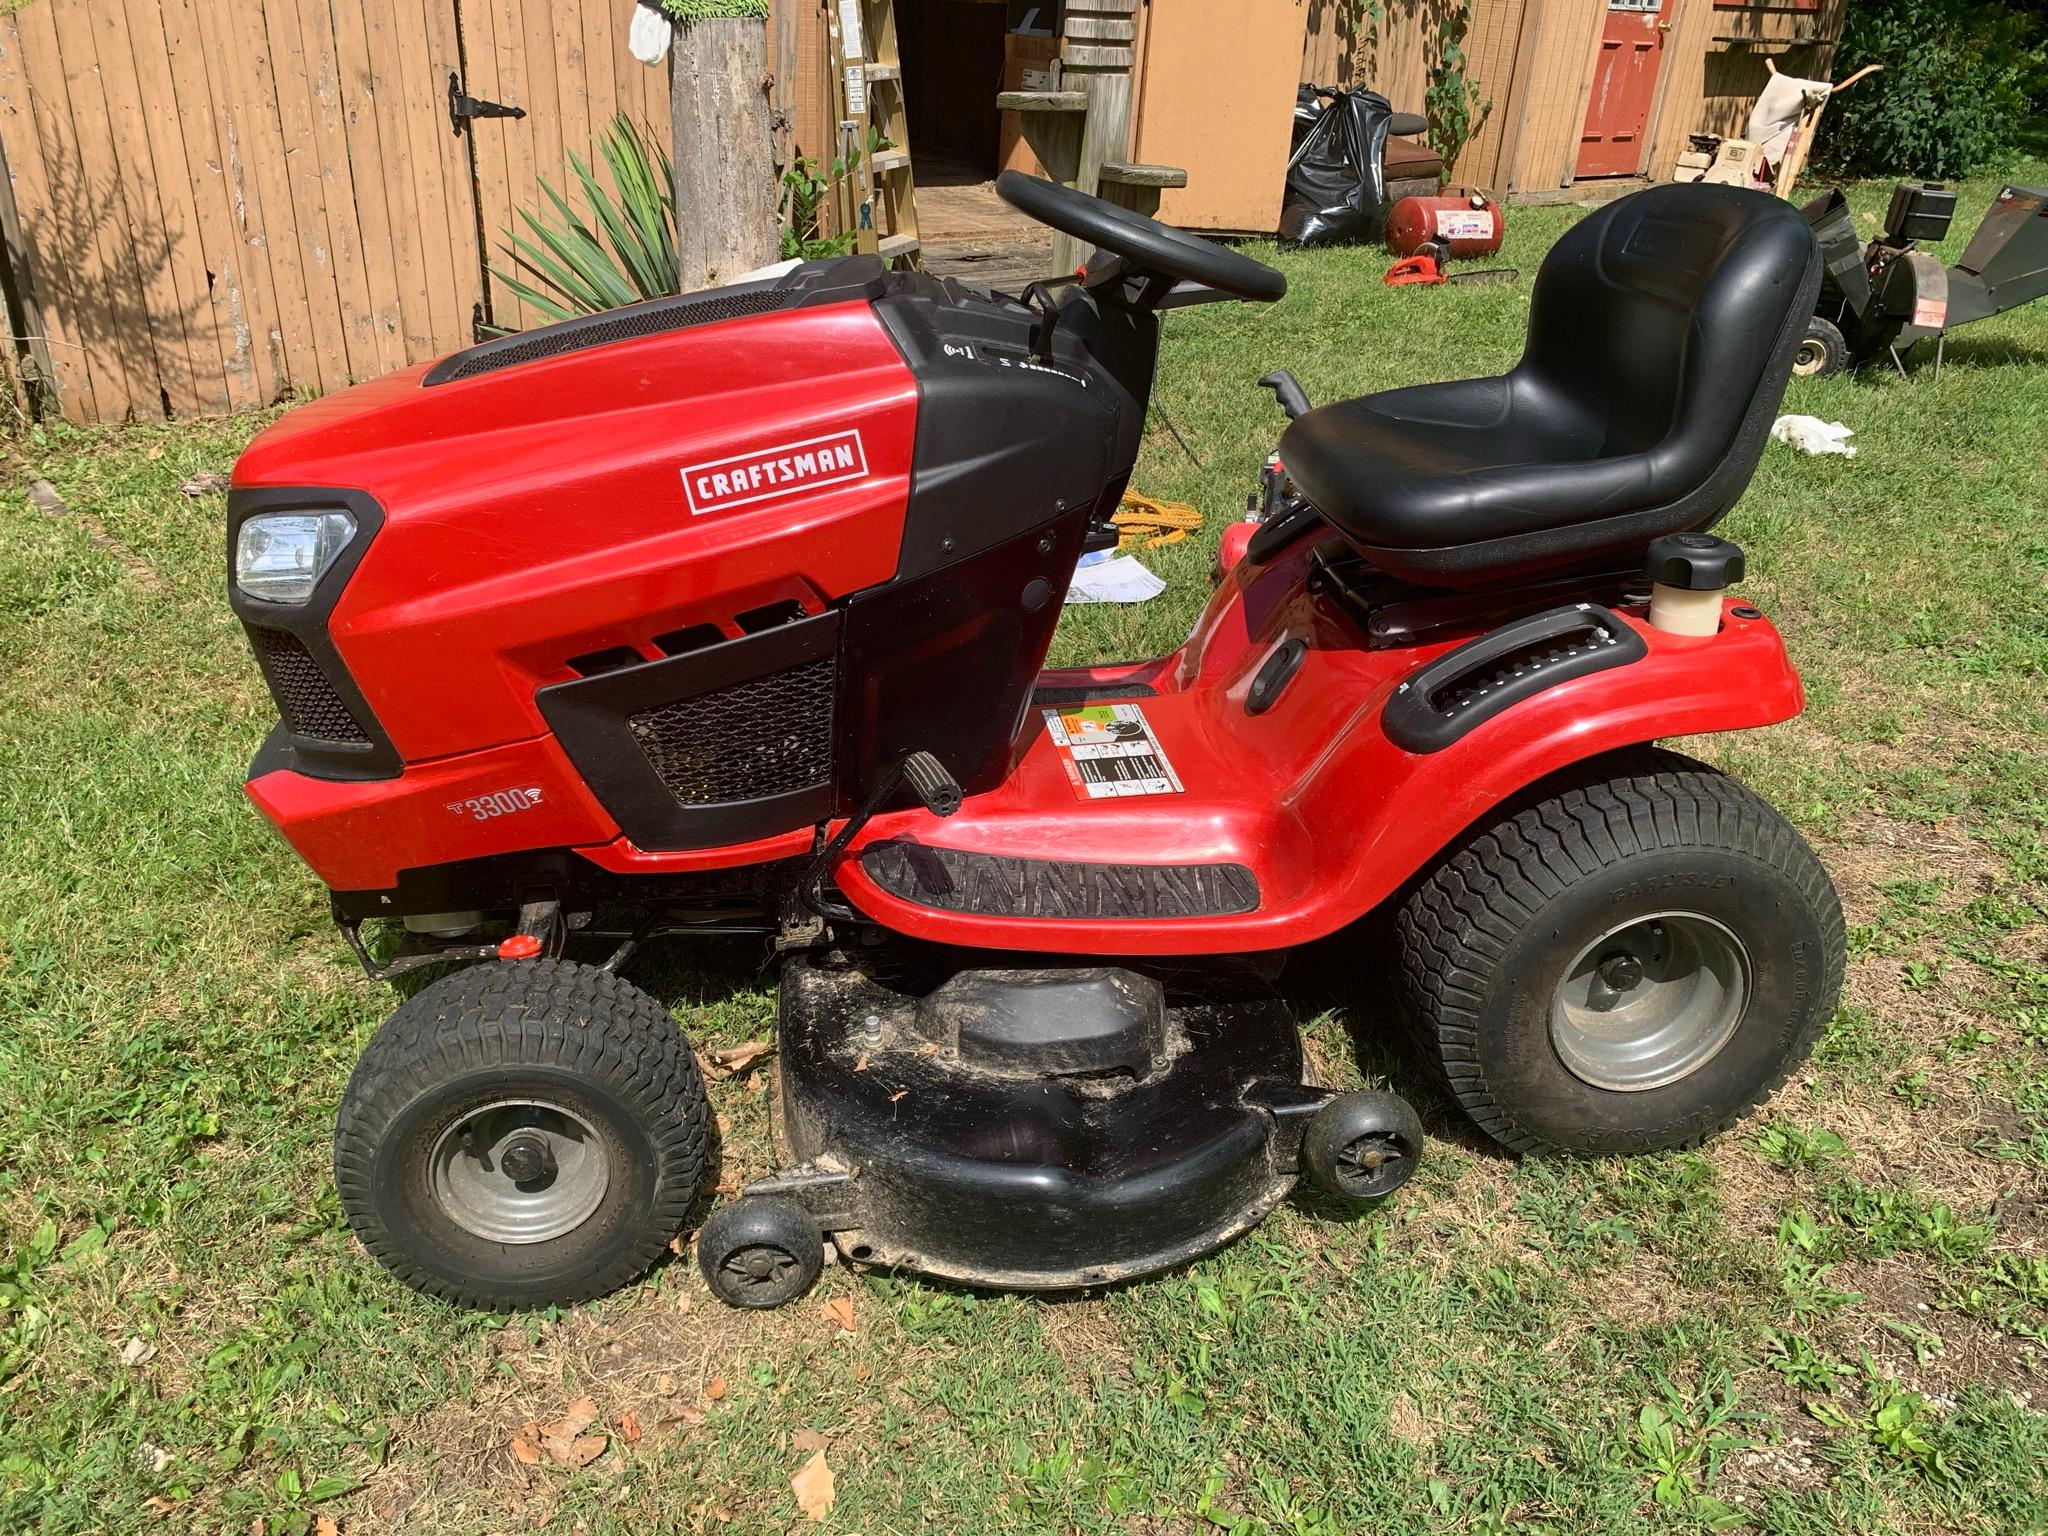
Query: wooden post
pixel 1096 60
pixel 724 137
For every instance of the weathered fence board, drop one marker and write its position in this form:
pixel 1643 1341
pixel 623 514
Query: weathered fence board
pixel 210 204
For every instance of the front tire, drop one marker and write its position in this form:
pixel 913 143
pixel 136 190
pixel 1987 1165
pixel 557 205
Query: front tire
pixel 522 1135
pixel 1627 958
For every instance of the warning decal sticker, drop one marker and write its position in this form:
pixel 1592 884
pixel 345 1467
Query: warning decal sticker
pixel 1109 751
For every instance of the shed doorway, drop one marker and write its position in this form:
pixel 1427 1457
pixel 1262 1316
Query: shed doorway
pixel 1615 138
pixel 957 56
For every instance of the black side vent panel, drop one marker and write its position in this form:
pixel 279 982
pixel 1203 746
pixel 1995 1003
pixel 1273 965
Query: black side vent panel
pixel 1464 688
pixel 635 321
pixel 306 700
pixel 723 744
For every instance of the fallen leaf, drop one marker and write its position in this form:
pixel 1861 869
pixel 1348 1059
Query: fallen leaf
pixel 564 1439
pixel 137 1352
pixel 156 451
pixel 815 1488
pixel 578 1417
pixel 714 1389
pixel 580 1452
pixel 684 1414
pixel 840 1310
pixel 629 1427
pixel 664 1383
pixel 735 1060
pixel 900 1093
pixel 811 1440
pixel 861 1065
pixel 326 1525
pixel 678 1245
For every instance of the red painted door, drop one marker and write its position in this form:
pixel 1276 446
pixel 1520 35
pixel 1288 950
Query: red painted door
pixel 1624 84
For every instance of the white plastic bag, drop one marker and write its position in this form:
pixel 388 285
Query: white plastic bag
pixel 650 34
pixel 1809 434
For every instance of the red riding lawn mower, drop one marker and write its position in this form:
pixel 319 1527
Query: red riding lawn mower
pixel 726 613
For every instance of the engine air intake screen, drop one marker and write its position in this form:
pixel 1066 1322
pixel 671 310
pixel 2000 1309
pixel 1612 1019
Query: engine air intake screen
pixel 628 324
pixel 764 737
pixel 306 700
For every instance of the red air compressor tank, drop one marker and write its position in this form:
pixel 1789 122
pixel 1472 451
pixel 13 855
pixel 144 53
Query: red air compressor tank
pixel 1464 222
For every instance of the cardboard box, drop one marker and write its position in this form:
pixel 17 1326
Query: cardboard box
pixel 1029 60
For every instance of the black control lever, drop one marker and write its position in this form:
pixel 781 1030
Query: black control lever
pixel 1288 391
pixel 932 783
pixel 935 787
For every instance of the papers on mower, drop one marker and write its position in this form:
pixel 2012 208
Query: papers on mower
pixel 1102 578
pixel 1809 434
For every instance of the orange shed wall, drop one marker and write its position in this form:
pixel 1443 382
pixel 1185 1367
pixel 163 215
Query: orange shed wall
pixel 1215 96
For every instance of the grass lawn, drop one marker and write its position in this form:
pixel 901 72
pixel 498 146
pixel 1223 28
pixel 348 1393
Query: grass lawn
pixel 1832 1319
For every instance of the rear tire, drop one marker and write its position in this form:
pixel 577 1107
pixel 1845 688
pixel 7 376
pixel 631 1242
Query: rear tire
pixel 1629 957
pixel 522 1135
pixel 1823 352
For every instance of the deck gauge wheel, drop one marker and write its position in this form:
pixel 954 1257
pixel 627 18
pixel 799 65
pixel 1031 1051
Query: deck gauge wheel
pixel 760 1252
pixel 1362 1145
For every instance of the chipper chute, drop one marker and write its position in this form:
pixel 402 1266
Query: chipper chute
pixel 1880 299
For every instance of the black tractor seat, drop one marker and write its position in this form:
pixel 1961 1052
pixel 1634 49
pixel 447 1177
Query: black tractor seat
pixel 1661 336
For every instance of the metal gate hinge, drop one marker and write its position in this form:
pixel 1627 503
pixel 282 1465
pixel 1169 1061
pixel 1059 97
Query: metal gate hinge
pixel 462 108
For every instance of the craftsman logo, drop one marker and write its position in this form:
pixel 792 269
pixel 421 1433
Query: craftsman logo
pixel 767 473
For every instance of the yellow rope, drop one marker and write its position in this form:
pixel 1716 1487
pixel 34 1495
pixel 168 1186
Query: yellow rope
pixel 1169 522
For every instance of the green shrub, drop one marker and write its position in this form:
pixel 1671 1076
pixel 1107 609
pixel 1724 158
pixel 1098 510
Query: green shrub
pixel 618 249
pixel 701 10
pixel 1959 81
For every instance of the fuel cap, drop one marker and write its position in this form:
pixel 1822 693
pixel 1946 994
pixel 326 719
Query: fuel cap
pixel 1695 562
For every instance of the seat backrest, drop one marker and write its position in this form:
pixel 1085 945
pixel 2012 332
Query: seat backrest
pixel 1671 317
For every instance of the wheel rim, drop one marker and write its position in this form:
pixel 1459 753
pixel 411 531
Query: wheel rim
pixel 1813 356
pixel 520 1171
pixel 1650 1001
pixel 1372 1161
pixel 759 1269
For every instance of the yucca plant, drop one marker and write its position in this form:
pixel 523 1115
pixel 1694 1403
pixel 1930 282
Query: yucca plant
pixel 619 249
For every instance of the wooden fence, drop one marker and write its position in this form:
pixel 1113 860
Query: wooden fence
pixel 212 203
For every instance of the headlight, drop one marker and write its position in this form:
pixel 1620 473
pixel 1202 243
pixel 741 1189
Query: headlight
pixel 280 557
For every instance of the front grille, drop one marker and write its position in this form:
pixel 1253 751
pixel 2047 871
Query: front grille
pixel 629 324
pixel 306 700
pixel 767 736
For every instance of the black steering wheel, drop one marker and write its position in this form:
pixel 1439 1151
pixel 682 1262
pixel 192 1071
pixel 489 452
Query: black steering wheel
pixel 1144 243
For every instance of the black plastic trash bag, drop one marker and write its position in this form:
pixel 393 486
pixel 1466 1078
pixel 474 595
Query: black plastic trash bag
pixel 1335 189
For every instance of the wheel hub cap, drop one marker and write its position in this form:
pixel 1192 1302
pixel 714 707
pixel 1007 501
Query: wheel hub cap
pixel 520 1171
pixel 760 1265
pixel 1650 1001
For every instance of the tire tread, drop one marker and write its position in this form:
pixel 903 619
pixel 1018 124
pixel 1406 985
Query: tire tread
pixel 1453 928
pixel 531 1012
